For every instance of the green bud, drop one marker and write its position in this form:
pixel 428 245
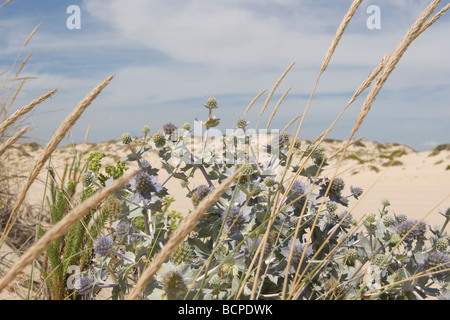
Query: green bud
pixel 146 129
pixel 351 256
pixel 331 206
pixel 441 244
pixel 401 218
pixel 211 103
pixel 183 253
pixel 87 178
pixel 395 239
pixel 159 140
pixel 370 223
pixel 173 284
pixel 388 222
pixel 113 205
pixel 241 123
pixel 269 182
pixel 380 260
pixel 126 138
pixel 186 126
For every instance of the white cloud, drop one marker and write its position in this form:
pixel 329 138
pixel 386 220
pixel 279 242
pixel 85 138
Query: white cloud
pixel 239 47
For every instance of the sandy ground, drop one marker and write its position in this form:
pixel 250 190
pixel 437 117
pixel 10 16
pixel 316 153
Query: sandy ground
pixel 418 185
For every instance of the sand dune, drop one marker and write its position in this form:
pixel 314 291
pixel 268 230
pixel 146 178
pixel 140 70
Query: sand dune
pixel 416 183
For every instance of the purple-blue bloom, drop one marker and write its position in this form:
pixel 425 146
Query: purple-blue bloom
pixel 103 246
pixel 169 128
pixel 234 218
pixel 436 259
pixel 146 184
pixel 413 233
pixel 85 286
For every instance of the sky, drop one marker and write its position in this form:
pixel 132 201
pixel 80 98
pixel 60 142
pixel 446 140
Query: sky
pixel 170 56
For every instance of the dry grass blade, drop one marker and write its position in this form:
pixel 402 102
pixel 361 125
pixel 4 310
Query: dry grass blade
pixel 50 147
pixel 6 110
pixel 276 108
pixel 32 34
pixel 414 31
pixel 23 63
pixel 62 226
pixel 336 39
pixel 428 23
pixel 253 101
pixel 25 109
pixel 291 123
pixel 8 143
pixel 275 88
pixel 180 234
pixel 5 3
pixel 340 31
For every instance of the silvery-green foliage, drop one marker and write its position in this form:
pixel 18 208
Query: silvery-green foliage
pixel 311 235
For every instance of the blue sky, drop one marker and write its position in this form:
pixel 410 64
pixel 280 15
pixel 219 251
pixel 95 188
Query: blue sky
pixel 170 56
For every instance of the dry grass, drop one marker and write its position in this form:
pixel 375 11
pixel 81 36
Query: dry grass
pixel 50 147
pixel 62 226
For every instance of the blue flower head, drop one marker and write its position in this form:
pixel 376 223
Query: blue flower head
pixel 122 230
pixel 235 218
pixel 169 128
pixel 298 188
pixel 411 231
pixel 103 246
pixel 203 191
pixel 437 260
pixel 281 140
pixel 334 194
pixel 85 286
pixel 297 194
pixel 297 253
pixel 145 185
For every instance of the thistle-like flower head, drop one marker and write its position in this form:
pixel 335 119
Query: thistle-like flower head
pixel 356 191
pixel 146 129
pixel 281 139
pixel 211 103
pixel 235 218
pixel 169 128
pixel 126 138
pixel 159 139
pixel 103 246
pixel 186 126
pixel 241 123
pixel 172 281
pixel 438 260
pixel 85 286
pixel 412 231
pixel 146 184
pixel 201 193
pixel 113 205
pixel 297 252
pixel 122 230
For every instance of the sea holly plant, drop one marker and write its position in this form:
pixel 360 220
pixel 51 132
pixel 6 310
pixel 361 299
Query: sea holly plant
pixel 282 229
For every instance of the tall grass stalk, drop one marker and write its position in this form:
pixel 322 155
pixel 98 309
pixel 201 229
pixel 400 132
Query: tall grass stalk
pixel 50 147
